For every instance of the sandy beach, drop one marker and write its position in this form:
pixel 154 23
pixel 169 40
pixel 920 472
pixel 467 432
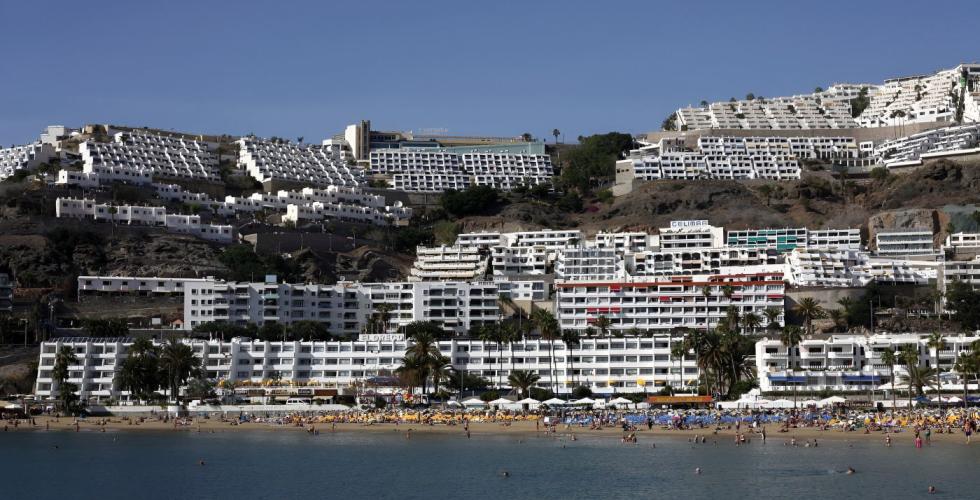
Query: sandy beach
pixel 518 429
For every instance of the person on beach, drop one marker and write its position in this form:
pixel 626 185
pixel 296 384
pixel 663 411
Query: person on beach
pixel 918 442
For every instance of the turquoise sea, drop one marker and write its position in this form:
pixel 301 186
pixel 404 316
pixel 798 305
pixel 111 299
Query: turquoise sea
pixel 274 465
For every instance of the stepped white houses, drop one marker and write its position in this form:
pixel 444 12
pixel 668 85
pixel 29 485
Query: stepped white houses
pixel 24 158
pixel 139 157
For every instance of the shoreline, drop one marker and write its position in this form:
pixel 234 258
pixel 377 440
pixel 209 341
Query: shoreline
pixel 903 437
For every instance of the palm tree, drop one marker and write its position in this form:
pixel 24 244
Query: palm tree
pixel 439 368
pixel 556 133
pixel 549 330
pixel 384 314
pixel 603 324
pixel 937 343
pixel 889 358
pixel 522 380
pixel 967 364
pixel 839 318
pixel 140 371
pixel 772 318
pixel 910 356
pixel 791 338
pixel 706 293
pixel 809 309
pixel 412 373
pixel 678 350
pixel 64 358
pixel 490 334
pixel 752 322
pixel 177 364
pixel 571 341
pixel 919 377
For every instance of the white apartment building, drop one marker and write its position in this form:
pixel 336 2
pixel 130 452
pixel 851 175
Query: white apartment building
pixel 937 143
pixel 583 263
pixel 144 216
pixel 684 234
pixel 519 261
pixel 828 109
pixel 345 203
pixel 440 263
pixel 666 304
pixel 827 267
pixel 850 363
pixel 137 155
pixel 344 308
pixel 131 285
pixel 424 170
pixel 703 260
pixel 518 289
pixel 484 240
pixel 429 182
pixel 606 366
pixel 962 240
pixel 961 271
pixel 24 158
pixel 911 242
pixel 312 165
pixel 623 242
pixel 785 239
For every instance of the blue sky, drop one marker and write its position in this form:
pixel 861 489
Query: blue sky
pixel 500 68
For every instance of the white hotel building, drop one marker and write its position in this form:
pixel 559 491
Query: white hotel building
pixel 607 366
pixel 661 305
pixel 843 363
pixel 343 308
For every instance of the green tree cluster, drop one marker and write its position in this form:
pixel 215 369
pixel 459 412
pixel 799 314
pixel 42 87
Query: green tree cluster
pixel 593 161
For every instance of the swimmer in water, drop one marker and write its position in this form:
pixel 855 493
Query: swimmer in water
pixel 505 474
pixel 932 489
pixel 200 462
pixel 697 470
pixel 850 470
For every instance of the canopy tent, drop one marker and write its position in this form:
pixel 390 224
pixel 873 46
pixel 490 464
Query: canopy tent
pixel 831 401
pixel 474 402
pixel 809 402
pixel 619 401
pixel 780 403
pixel 454 403
pixel 584 401
pixel 501 402
pixel 554 402
pixel 528 401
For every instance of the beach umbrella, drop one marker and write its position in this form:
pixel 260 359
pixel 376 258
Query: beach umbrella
pixel 809 402
pixel 474 402
pixel 528 401
pixel 619 401
pixel 584 401
pixel 554 402
pixel 501 401
pixel 454 403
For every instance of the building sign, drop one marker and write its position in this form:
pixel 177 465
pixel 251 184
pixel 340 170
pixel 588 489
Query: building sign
pixel 381 337
pixel 688 223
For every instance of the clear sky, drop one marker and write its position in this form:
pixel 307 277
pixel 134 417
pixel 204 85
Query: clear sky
pixel 491 67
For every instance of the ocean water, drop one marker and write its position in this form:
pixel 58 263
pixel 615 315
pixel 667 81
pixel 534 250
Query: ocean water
pixel 274 465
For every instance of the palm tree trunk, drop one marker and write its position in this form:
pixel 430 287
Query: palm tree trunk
pixel 892 371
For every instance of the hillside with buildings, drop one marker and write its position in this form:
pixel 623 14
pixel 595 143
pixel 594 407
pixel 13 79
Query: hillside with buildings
pixel 849 210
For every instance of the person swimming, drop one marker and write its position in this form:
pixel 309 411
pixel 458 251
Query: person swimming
pixel 697 470
pixel 850 470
